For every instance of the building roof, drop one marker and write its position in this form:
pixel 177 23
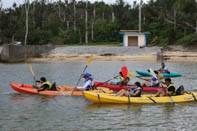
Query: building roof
pixel 126 32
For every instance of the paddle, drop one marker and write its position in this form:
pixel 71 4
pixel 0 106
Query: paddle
pixel 133 75
pixel 171 99
pixel 90 59
pixel 124 71
pixel 33 74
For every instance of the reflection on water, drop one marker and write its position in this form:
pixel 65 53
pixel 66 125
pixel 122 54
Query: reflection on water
pixel 123 106
pixel 21 112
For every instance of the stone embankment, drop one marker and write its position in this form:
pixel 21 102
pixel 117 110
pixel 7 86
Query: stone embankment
pixel 101 53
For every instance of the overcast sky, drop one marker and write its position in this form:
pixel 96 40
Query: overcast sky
pixel 8 3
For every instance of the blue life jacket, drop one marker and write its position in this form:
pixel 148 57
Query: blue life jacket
pixel 133 90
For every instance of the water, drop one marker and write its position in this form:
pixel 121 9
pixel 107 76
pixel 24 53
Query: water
pixel 23 112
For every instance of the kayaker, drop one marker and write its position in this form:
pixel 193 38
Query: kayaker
pixel 45 85
pixel 154 81
pixel 118 79
pixel 170 89
pixel 163 68
pixel 88 82
pixel 125 81
pixel 132 91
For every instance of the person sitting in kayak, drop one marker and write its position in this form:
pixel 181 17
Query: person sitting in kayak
pixel 163 68
pixel 170 89
pixel 88 82
pixel 119 79
pixel 135 91
pixel 154 81
pixel 45 85
pixel 125 81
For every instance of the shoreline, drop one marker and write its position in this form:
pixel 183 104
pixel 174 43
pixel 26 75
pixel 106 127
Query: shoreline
pixel 168 56
pixel 107 53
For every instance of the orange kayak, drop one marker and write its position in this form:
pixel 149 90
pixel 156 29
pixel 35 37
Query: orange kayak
pixel 28 89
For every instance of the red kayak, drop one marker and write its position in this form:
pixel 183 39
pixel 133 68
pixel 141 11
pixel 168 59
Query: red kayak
pixel 115 87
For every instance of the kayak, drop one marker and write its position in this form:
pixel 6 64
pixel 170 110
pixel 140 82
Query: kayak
pixel 115 87
pixel 28 89
pixel 171 74
pixel 111 98
pixel 62 90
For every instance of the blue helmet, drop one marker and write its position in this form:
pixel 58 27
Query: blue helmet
pixel 86 75
pixel 89 76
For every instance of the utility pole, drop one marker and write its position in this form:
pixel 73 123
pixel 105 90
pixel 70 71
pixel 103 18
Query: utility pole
pixel 86 23
pixel 74 9
pixel 140 16
pixel 1 6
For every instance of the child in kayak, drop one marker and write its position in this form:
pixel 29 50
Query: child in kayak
pixel 45 85
pixel 118 79
pixel 88 82
pixel 133 92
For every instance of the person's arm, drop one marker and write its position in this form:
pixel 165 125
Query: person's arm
pixel 116 81
pixel 148 79
pixel 44 87
pixel 85 85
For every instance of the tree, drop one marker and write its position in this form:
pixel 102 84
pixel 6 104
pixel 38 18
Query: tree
pixel 27 18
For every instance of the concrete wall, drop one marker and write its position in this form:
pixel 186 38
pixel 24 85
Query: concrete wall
pixel 13 53
pixel 141 41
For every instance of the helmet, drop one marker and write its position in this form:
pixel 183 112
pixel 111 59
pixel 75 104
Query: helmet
pixel 86 75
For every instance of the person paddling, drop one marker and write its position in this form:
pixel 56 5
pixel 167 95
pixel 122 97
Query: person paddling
pixel 154 81
pixel 88 82
pixel 45 85
pixel 163 68
pixel 118 79
pixel 170 89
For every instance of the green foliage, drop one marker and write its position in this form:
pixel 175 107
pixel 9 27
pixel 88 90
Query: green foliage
pixel 188 40
pixel 168 21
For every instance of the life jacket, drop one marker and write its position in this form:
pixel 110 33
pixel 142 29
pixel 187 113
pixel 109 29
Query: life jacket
pixel 133 90
pixel 47 83
pixel 90 86
pixel 122 78
pixel 172 84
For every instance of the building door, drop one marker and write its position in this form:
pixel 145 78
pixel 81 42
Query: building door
pixel 132 41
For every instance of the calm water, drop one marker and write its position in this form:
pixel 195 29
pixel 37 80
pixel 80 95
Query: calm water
pixel 23 112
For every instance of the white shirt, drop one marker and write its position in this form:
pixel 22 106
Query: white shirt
pixel 87 83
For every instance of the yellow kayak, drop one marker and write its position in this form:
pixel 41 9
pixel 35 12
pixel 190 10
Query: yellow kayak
pixel 96 97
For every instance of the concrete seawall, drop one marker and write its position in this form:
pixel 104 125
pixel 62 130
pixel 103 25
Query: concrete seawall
pixel 13 53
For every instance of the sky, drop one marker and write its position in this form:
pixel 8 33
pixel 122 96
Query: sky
pixel 8 3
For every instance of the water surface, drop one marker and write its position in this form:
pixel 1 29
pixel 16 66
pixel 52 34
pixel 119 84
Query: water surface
pixel 23 112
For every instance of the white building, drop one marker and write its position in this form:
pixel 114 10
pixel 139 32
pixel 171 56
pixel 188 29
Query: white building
pixel 134 38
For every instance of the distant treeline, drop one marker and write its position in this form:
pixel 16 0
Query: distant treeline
pixel 64 22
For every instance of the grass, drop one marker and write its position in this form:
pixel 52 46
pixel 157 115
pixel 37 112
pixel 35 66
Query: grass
pixel 95 44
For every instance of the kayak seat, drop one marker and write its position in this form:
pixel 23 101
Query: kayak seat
pixel 180 90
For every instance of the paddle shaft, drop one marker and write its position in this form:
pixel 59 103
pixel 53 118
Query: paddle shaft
pixel 111 79
pixel 171 99
pixel 79 79
pixel 33 74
